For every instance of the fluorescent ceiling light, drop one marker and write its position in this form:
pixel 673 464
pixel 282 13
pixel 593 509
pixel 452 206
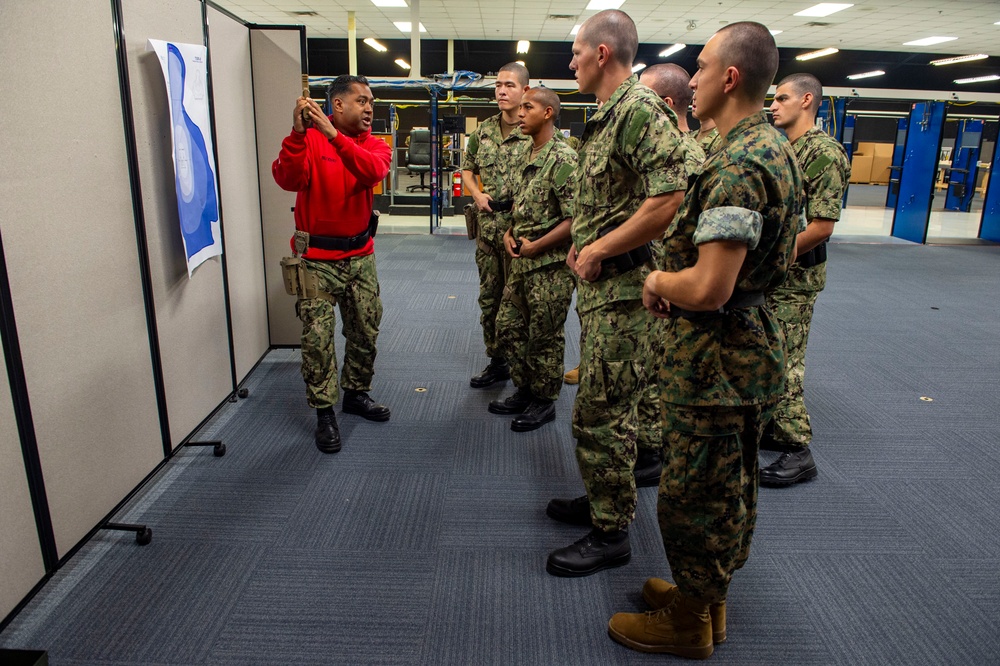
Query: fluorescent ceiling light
pixel 576 29
pixel 638 67
pixel 375 45
pixel 522 46
pixel 405 26
pixel 980 79
pixel 598 5
pixel 823 9
pixel 389 3
pixel 817 54
pixel 667 52
pixel 958 59
pixel 775 33
pixel 866 75
pixel 402 63
pixel 929 41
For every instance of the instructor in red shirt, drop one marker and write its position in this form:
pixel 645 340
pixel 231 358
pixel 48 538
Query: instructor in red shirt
pixel 333 163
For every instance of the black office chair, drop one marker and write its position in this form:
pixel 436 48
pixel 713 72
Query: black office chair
pixel 418 157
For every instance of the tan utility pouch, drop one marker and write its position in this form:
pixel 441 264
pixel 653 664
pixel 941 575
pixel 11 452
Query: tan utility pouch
pixel 471 220
pixel 301 282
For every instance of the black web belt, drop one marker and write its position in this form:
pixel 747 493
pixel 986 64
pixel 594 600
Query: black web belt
pixel 738 301
pixel 338 243
pixel 813 257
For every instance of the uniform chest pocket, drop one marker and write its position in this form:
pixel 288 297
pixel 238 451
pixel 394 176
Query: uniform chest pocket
pixel 596 181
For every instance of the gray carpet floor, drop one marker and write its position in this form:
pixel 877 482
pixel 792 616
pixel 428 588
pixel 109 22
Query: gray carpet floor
pixel 424 540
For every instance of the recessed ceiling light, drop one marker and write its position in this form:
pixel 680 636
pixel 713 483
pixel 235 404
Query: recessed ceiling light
pixel 598 5
pixel 669 51
pixel 405 26
pixel 775 32
pixel 866 75
pixel 929 41
pixel 375 45
pixel 638 67
pixel 522 46
pixel 817 54
pixel 576 29
pixel 823 9
pixel 402 63
pixel 980 79
pixel 958 59
pixel 389 3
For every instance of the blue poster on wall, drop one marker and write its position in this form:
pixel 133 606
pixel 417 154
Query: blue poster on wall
pixel 185 74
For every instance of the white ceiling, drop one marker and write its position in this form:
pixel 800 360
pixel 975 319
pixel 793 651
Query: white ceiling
pixel 876 25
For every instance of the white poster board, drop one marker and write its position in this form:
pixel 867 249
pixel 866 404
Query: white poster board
pixel 185 75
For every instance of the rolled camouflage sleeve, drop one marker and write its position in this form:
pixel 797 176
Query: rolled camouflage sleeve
pixel 731 207
pixel 653 146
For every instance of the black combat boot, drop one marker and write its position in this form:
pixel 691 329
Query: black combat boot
pixel 360 403
pixel 648 466
pixel 496 371
pixel 327 432
pixel 789 468
pixel 512 404
pixel 538 413
pixel 597 551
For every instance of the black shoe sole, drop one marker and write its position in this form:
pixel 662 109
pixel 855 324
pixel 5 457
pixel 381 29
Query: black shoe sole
pixel 378 418
pixel 563 572
pixel 505 411
pixel 534 425
pixel 807 475
pixel 482 383
pixel 329 448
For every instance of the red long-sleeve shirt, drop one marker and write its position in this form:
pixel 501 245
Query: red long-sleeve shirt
pixel 334 181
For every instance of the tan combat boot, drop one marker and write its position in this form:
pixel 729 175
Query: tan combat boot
pixel 659 593
pixel 683 628
pixel 572 376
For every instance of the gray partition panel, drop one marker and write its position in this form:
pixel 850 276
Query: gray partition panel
pixel 277 80
pixel 21 565
pixel 232 92
pixel 69 237
pixel 190 313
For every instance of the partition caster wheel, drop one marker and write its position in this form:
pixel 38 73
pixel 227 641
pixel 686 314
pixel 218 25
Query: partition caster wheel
pixel 144 536
pixel 219 450
pixel 243 392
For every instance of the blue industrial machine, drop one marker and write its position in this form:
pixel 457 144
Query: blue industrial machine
pixel 989 226
pixel 916 184
pixel 964 163
pixel 896 168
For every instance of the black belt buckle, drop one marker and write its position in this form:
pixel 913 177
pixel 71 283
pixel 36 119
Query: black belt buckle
pixel 504 206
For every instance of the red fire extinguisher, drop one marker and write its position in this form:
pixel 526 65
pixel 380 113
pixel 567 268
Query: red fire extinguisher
pixel 456 184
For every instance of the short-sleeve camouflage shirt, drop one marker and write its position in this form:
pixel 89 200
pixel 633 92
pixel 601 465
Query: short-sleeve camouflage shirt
pixel 708 142
pixel 827 172
pixel 497 162
pixel 694 155
pixel 544 199
pixel 630 150
pixel 750 190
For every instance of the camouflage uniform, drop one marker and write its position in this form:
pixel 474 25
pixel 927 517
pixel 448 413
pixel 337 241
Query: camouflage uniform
pixel 539 290
pixel 354 283
pixel 708 142
pixel 827 171
pixel 497 162
pixel 631 149
pixel 694 155
pixel 722 374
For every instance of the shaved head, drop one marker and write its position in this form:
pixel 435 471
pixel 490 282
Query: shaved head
pixel 750 48
pixel 805 83
pixel 616 30
pixel 544 97
pixel 669 80
pixel 519 71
